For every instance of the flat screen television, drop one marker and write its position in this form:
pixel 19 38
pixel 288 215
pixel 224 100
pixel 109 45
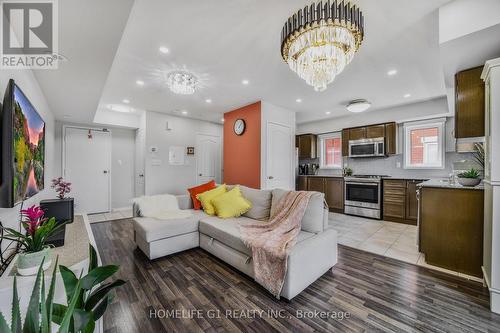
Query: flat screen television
pixel 22 148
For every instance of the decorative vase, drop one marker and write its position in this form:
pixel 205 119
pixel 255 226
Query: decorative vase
pixel 28 263
pixel 469 182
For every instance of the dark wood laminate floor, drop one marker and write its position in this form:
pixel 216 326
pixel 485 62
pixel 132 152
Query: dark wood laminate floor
pixel 380 294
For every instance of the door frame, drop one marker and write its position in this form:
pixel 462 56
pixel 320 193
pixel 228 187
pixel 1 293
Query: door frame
pixel 221 158
pixel 110 161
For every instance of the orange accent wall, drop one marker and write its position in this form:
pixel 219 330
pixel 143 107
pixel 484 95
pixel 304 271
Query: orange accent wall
pixel 242 153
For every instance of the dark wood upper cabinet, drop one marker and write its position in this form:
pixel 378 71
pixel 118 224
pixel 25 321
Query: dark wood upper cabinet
pixel 345 142
pixel 334 194
pixel 469 103
pixel 307 144
pixel 375 131
pixel 390 138
pixel 357 133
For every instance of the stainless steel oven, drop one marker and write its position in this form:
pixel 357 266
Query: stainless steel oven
pixel 367 147
pixel 363 196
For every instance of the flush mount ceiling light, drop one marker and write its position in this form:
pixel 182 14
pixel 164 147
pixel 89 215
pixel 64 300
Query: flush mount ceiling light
pixel 319 41
pixel 358 105
pixel 182 82
pixel 392 72
pixel 120 108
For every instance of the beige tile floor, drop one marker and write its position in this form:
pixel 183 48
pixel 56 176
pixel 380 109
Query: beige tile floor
pixel 111 216
pixel 394 240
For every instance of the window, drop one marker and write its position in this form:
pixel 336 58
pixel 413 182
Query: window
pixel 331 151
pixel 424 145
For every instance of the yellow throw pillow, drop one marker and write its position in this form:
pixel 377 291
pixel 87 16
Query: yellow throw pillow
pixel 231 204
pixel 206 198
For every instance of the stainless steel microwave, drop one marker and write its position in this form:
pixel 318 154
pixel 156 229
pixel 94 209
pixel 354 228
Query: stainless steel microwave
pixel 367 147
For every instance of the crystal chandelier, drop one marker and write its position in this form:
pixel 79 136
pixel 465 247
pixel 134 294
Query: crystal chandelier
pixel 182 82
pixel 318 41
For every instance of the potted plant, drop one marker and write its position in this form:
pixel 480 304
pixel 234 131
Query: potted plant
pixel 61 186
pixel 33 247
pixel 469 178
pixel 347 171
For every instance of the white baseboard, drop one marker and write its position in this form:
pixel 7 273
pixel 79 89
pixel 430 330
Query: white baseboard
pixel 121 209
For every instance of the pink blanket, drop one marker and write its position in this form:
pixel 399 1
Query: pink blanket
pixel 272 241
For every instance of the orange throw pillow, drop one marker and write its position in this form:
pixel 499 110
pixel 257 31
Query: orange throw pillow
pixel 194 191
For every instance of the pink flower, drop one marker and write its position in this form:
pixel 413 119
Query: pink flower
pixel 33 218
pixel 61 186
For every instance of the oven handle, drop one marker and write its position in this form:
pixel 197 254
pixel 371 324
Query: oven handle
pixel 368 184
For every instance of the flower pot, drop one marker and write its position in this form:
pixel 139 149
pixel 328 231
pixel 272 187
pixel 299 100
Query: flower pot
pixel 28 263
pixel 469 182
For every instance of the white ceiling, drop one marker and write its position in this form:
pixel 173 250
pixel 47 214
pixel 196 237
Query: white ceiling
pixel 226 41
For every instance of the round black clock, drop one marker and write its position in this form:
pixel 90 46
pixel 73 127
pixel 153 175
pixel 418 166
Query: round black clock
pixel 239 126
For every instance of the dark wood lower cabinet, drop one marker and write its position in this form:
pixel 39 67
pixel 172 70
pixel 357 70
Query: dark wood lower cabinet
pixel 451 228
pixel 332 187
pixel 400 201
pixel 302 183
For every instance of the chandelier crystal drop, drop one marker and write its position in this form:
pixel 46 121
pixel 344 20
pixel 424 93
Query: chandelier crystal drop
pixel 182 82
pixel 319 41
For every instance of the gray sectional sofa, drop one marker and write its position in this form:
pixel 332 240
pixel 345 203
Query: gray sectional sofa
pixel 313 255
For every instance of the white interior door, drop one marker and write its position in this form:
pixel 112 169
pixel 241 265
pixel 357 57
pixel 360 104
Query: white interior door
pixel 208 158
pixel 140 146
pixel 279 162
pixel 87 165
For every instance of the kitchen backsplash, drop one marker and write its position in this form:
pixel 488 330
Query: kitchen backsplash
pixel 389 166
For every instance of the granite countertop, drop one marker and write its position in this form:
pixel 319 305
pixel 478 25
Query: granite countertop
pixel 323 176
pixel 405 178
pixel 443 183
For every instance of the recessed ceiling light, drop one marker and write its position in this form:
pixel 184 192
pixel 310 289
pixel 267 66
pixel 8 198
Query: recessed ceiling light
pixel 392 72
pixel 184 112
pixel 407 96
pixel 120 108
pixel 208 100
pixel 358 105
pixel 298 100
pixel 327 113
pixel 139 82
pixel 245 82
pixel 164 50
pixel 126 101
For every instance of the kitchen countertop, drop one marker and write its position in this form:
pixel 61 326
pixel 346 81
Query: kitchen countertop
pixel 323 176
pixel 443 183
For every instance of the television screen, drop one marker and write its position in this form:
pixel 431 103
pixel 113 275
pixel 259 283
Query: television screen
pixel 29 148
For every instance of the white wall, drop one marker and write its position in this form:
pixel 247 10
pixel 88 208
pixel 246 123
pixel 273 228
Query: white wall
pixel 421 110
pixel 122 167
pixel 165 178
pixel 27 82
pixel 462 17
pixel 122 163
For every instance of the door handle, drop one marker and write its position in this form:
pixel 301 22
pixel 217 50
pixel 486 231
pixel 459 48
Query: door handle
pixel 271 177
pixel 141 175
pixel 200 175
pixel 105 171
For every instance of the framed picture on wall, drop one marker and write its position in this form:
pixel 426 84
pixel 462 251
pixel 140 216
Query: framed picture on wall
pixel 190 150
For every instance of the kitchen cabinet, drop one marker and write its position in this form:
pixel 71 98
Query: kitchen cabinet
pixel 387 131
pixel 391 133
pixel 307 144
pixel 334 194
pixel 469 103
pixel 302 183
pixel 332 187
pixel 400 200
pixel 451 228
pixel 375 131
pixel 357 133
pixel 345 142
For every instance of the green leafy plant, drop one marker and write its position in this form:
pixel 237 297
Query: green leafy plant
pixel 39 314
pixel 347 171
pixel 472 173
pixel 478 154
pixel 91 300
pixel 37 227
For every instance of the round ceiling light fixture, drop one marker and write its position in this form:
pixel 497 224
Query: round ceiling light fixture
pixel 182 82
pixel 320 40
pixel 358 105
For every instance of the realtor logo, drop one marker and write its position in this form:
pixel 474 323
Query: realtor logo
pixel 29 34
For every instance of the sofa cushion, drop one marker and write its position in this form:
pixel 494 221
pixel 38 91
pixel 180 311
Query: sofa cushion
pixel 151 229
pixel 227 231
pixel 206 198
pixel 194 191
pixel 313 216
pixel 261 203
pixel 231 204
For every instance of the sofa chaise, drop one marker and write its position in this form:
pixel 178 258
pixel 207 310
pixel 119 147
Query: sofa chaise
pixel 313 255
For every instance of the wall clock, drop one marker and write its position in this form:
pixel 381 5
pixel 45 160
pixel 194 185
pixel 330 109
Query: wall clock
pixel 239 126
